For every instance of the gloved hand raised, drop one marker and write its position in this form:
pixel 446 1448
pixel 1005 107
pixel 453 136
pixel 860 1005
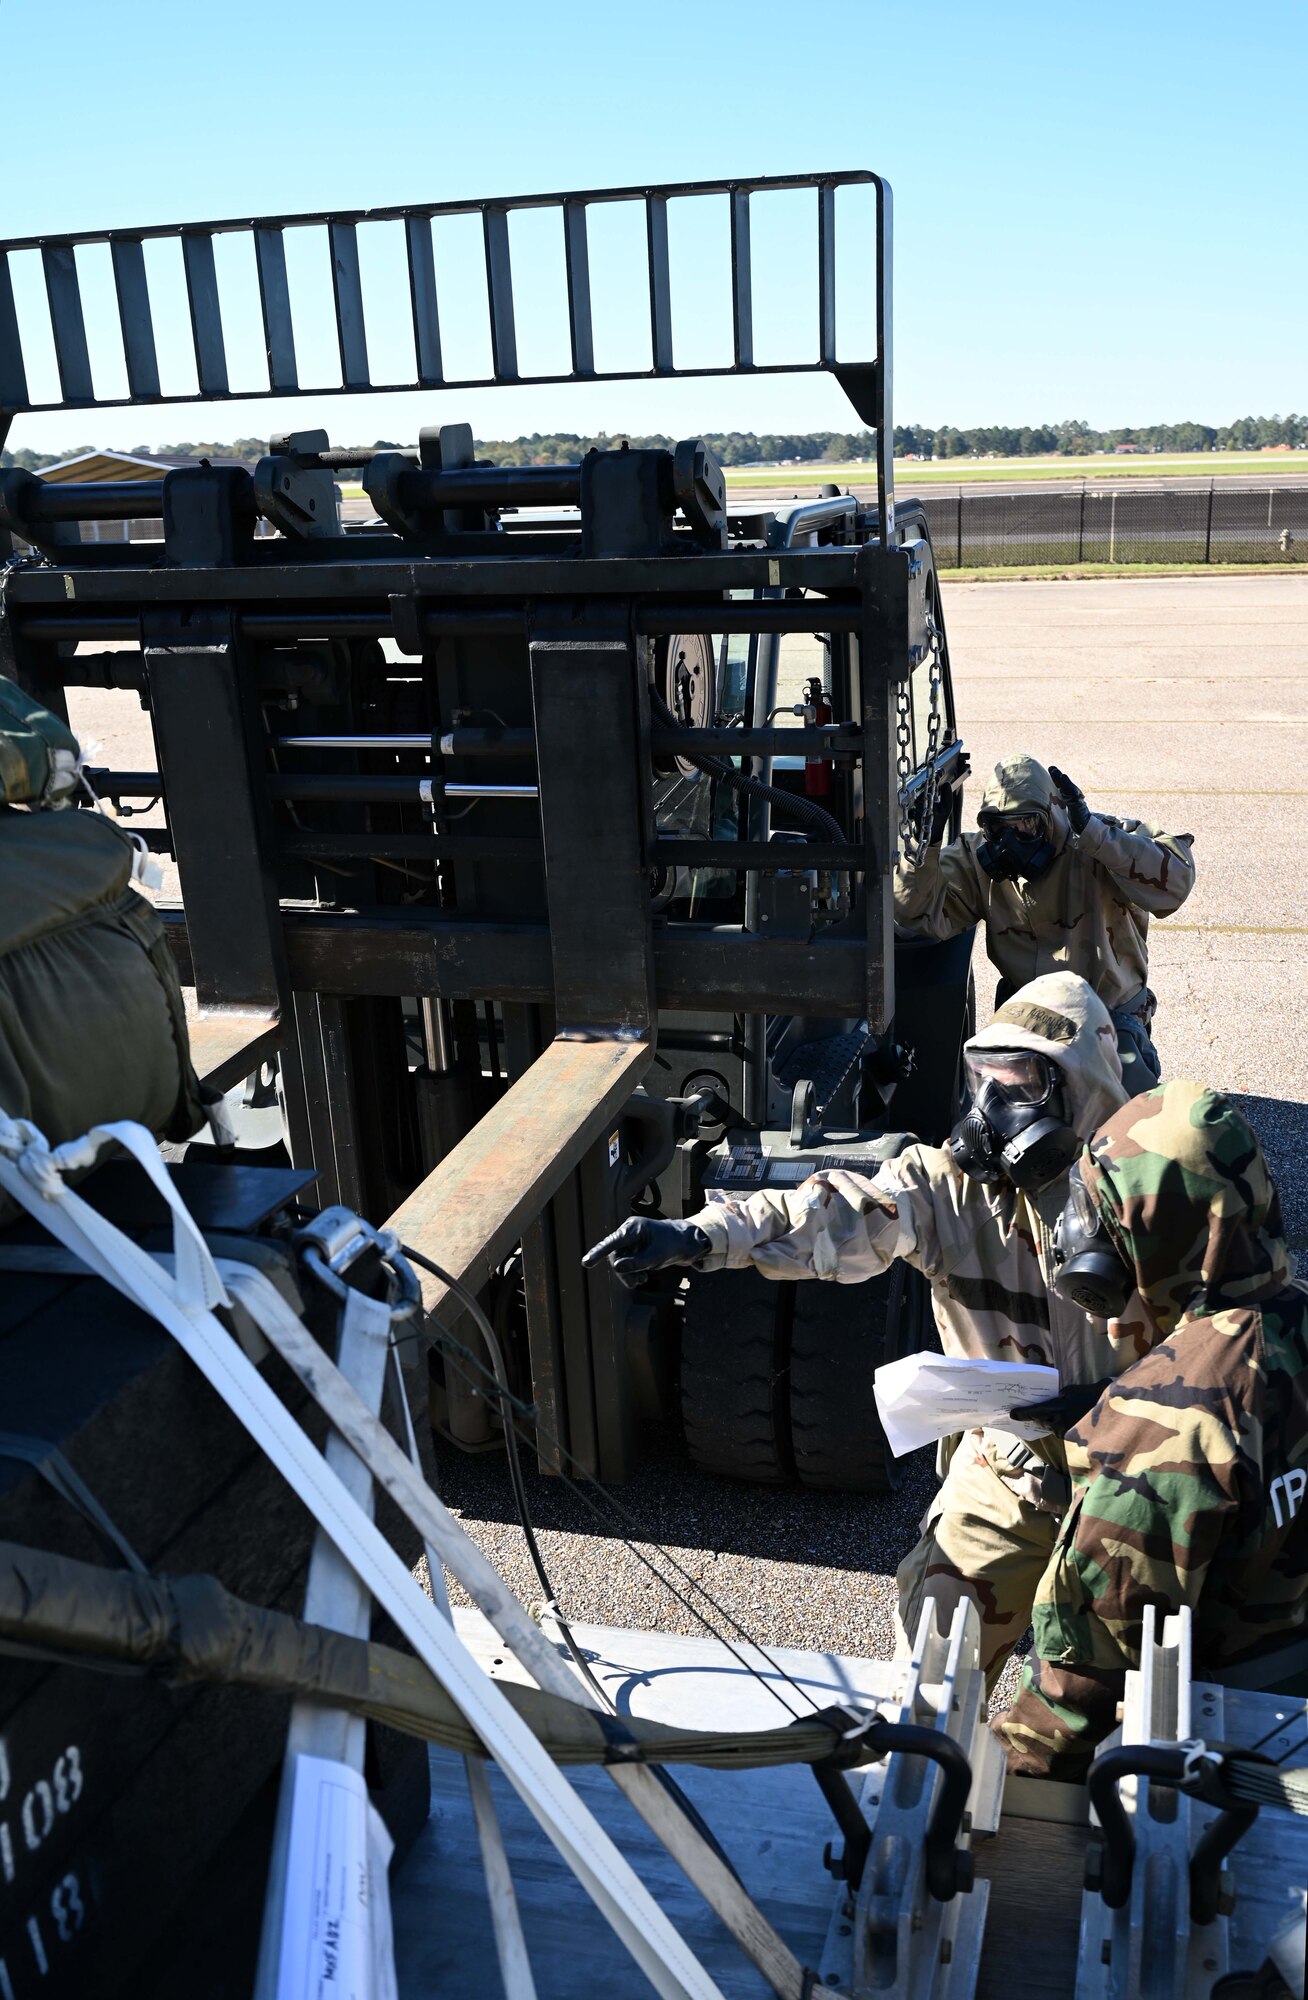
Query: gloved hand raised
pixel 1061 1412
pixel 1078 812
pixel 644 1244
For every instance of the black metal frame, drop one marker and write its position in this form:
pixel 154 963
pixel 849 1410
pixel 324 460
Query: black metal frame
pixel 195 621
pixel 865 377
pixel 328 870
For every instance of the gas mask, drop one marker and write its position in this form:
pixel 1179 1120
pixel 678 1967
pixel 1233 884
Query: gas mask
pixel 1017 1128
pixel 1089 1269
pixel 1017 845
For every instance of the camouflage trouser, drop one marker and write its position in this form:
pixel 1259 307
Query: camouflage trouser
pixel 985 1537
pixel 1060 1716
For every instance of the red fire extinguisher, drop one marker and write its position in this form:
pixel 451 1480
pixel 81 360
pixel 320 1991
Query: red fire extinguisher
pixel 819 772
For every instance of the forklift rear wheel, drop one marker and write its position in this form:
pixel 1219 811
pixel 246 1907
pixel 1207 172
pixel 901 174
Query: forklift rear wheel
pixel 734 1384
pixel 841 1335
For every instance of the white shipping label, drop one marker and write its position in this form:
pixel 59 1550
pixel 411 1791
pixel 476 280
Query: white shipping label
pixel 336 1942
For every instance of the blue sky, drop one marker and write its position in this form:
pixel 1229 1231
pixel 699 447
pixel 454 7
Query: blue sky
pixel 1099 209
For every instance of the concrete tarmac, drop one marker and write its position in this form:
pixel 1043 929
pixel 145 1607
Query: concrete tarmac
pixel 1181 701
pixel 1185 703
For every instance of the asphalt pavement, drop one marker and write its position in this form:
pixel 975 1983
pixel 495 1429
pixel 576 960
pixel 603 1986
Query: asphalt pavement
pixel 1184 702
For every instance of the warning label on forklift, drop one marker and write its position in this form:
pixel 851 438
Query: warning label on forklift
pixel 615 1149
pixel 754 1165
pixel 743 1163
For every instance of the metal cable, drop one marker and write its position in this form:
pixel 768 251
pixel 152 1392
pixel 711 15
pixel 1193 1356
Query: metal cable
pixel 499 1376
pixel 512 1407
pixel 602 1696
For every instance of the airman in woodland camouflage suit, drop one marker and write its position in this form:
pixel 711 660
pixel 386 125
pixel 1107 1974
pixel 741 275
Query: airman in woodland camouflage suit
pixel 1191 1473
pixel 985 1248
pixel 1058 888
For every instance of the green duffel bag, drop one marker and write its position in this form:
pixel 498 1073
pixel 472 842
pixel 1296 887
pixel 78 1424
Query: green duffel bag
pixel 92 1026
pixel 38 752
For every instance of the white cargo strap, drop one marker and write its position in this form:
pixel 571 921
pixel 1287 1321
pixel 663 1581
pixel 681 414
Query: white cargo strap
pixel 703 1865
pixel 67 776
pixel 181 1301
pixel 323 1765
pixel 32 1172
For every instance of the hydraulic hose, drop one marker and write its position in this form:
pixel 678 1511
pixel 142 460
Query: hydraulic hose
pixel 804 810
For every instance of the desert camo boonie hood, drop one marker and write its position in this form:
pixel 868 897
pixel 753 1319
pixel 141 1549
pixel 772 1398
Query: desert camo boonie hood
pixel 1187 1196
pixel 1060 1016
pixel 1017 785
pixel 1011 850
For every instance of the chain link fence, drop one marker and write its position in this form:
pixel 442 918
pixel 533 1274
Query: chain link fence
pixel 1192 523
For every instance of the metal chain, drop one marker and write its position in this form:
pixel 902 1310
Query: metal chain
pixel 915 846
pixel 903 760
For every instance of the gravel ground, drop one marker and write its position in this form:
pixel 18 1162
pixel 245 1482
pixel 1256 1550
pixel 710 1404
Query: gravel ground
pixel 794 1568
pixel 1185 701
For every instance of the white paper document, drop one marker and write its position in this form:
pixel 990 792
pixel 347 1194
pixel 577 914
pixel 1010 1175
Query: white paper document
pixel 924 1397
pixel 336 1932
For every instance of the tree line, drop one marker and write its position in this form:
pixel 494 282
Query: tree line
pixel 1072 439
pixel 1076 439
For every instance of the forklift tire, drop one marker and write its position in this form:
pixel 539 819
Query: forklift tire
pixel 734 1386
pixel 841 1335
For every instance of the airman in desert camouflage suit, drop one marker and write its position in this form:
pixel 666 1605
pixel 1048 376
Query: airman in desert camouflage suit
pixel 1191 1473
pixel 984 1247
pixel 1058 888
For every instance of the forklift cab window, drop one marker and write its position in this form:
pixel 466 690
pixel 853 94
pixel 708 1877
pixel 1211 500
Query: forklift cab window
pixel 803 657
pixel 733 675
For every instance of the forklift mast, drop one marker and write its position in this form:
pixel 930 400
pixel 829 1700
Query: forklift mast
pixel 484 826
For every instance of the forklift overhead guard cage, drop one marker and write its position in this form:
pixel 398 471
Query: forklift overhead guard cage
pixel 865 377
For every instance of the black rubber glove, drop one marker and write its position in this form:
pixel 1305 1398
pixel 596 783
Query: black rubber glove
pixel 944 805
pixel 1078 812
pixel 1061 1412
pixel 644 1244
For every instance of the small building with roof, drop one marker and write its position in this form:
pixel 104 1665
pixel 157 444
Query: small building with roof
pixel 122 467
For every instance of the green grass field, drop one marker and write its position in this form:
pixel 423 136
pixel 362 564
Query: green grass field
pixel 913 473
pixel 1080 573
pixel 975 471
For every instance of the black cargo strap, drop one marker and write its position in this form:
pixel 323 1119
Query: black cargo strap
pixel 47 1460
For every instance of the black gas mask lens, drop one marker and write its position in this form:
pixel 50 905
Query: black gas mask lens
pixel 1016 847
pixel 1089 1270
pixel 1017 1128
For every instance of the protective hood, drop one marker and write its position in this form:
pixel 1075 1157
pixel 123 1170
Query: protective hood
pixel 1187 1196
pixel 1060 1016
pixel 1018 784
